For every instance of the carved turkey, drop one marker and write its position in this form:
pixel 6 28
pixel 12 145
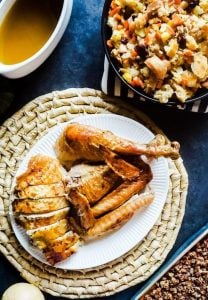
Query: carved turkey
pixel 60 209
pixel 42 208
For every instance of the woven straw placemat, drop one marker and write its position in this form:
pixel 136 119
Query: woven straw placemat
pixel 18 134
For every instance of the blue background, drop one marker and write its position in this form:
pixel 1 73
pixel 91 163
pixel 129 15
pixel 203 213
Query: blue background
pixel 78 62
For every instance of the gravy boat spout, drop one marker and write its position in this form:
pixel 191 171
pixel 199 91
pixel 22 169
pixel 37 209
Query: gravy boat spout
pixel 30 64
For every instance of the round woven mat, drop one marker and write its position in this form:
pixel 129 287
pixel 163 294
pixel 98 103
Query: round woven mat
pixel 18 134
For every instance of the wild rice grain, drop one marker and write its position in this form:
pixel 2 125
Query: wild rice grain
pixel 187 280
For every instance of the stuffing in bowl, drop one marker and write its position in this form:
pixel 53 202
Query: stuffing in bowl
pixel 161 46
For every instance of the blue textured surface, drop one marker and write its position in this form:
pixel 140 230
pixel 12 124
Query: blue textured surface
pixel 78 62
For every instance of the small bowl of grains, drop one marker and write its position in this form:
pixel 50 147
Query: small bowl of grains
pixel 158 48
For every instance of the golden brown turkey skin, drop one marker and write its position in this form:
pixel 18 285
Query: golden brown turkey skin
pixel 118 196
pixel 82 142
pixel 82 209
pixel 42 191
pixel 33 221
pixel 42 208
pixel 36 206
pixel 43 236
pixel 61 248
pixel 41 170
pixel 92 181
pixel 116 218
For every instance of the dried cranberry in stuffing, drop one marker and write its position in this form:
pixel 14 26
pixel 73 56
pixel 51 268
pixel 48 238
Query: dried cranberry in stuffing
pixel 181 41
pixel 192 4
pixel 141 50
pixel 127 12
pixel 124 41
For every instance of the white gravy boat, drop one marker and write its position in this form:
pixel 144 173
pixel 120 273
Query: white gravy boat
pixel 29 65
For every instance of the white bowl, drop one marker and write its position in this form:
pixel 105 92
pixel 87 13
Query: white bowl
pixel 29 65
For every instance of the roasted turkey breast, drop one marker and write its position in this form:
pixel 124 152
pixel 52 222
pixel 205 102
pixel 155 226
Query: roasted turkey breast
pixel 42 191
pixel 42 236
pixel 41 170
pixel 33 221
pixel 62 247
pixel 36 206
pixel 42 208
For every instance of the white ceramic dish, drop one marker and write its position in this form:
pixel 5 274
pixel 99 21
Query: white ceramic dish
pixel 117 243
pixel 32 63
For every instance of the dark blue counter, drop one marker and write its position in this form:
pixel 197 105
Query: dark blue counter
pixel 78 62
